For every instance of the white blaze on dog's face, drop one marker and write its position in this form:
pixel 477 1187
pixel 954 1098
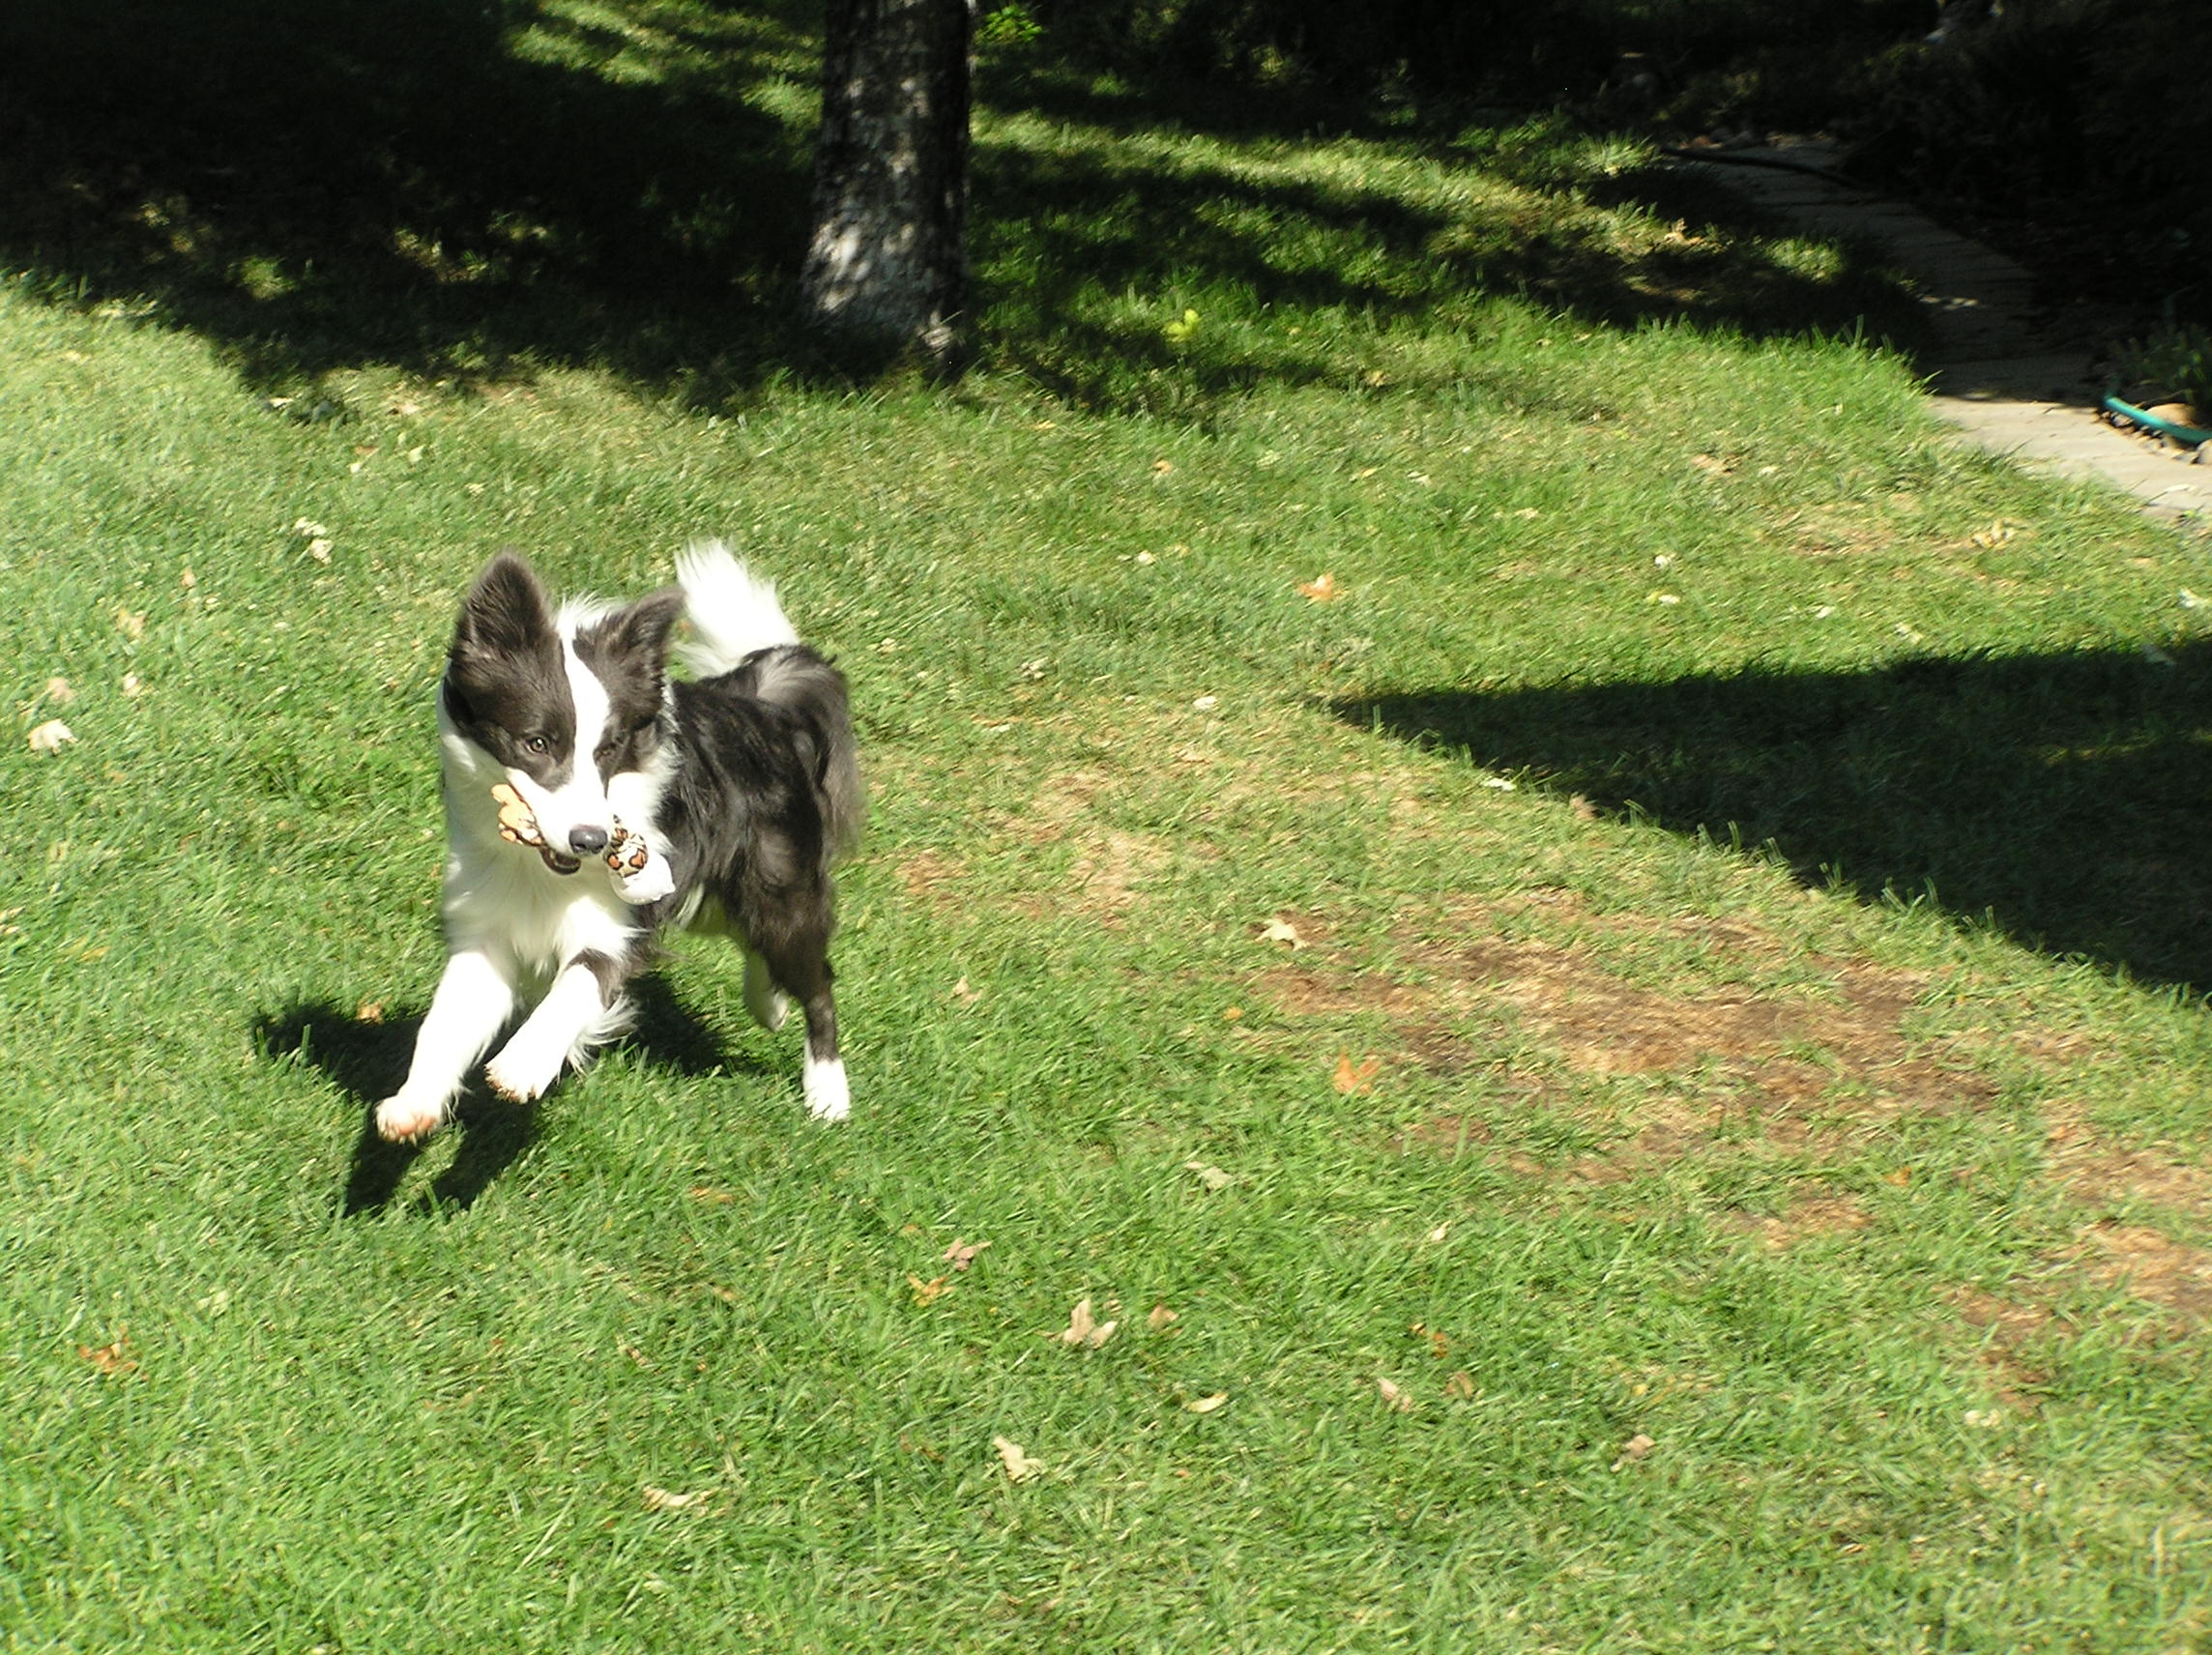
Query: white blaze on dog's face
pixel 571 707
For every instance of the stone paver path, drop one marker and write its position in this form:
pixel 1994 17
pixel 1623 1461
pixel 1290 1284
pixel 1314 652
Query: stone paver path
pixel 2013 379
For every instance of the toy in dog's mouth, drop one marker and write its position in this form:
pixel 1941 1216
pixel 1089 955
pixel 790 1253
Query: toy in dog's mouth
pixel 518 826
pixel 626 853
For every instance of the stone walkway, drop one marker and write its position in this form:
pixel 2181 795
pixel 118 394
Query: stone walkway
pixel 2013 378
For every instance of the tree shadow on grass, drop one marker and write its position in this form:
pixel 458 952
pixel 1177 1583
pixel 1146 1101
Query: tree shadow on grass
pixel 1064 236
pixel 476 190
pixel 462 189
pixel 367 1059
pixel 2060 799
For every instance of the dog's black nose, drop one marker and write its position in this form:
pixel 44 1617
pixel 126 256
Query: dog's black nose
pixel 586 840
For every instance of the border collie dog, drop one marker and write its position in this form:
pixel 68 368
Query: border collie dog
pixel 742 782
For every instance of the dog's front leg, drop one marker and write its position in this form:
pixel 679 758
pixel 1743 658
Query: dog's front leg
pixel 474 1000
pixel 583 1007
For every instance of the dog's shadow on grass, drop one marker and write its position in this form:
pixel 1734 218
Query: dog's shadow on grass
pixel 366 1056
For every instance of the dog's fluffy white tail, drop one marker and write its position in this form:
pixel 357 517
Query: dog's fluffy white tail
pixel 731 613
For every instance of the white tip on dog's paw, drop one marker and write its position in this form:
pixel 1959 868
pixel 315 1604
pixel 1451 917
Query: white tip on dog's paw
pixel 402 1119
pixel 514 1080
pixel 827 1096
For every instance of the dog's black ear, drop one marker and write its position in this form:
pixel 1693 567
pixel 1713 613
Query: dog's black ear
pixel 641 629
pixel 506 612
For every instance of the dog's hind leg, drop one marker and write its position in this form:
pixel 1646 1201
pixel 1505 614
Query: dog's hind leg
pixel 584 1008
pixel 768 1004
pixel 799 966
pixel 474 1000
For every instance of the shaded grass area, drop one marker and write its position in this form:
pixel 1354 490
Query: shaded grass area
pixel 2062 796
pixel 475 193
pixel 1749 1265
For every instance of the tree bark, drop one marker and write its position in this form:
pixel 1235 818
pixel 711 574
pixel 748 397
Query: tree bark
pixel 887 264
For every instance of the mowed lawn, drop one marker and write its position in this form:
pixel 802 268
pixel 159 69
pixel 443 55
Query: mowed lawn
pixel 1577 945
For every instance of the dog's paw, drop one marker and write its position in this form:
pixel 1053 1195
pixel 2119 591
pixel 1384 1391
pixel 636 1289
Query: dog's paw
pixel 827 1096
pixel 401 1119
pixel 522 1076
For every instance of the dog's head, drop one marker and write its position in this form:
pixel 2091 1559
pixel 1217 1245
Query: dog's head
pixel 570 702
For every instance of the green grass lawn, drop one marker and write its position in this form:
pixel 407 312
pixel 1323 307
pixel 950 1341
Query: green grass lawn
pixel 1629 1067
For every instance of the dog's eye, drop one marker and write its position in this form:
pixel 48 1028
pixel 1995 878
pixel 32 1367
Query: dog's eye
pixel 537 744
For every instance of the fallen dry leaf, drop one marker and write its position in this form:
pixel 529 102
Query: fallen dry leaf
pixel 1084 1331
pixel 1349 1080
pixel 927 1292
pixel 1212 1177
pixel 51 736
pixel 1207 1403
pixel 1161 468
pixel 1321 588
pixel 112 1357
pixel 965 995
pixel 1282 931
pixel 131 685
pixel 661 1499
pixel 59 691
pixel 1394 1396
pixel 1020 1468
pixel 1161 1317
pixel 187 579
pixel 1634 1449
pixel 1439 1347
pixel 961 1254
pixel 1461 1384
pixel 132 626
pixel 1440 1232
pixel 368 1011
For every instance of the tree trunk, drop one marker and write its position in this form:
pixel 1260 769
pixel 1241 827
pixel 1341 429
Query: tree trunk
pixel 887 265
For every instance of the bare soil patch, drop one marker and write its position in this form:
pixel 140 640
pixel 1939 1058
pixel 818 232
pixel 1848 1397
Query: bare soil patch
pixel 1777 1068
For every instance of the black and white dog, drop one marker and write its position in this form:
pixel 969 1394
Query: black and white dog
pixel 739 784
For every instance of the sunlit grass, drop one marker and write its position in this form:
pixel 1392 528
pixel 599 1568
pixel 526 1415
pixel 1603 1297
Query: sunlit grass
pixel 1390 977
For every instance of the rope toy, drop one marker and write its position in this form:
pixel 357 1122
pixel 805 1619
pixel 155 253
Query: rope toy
pixel 625 855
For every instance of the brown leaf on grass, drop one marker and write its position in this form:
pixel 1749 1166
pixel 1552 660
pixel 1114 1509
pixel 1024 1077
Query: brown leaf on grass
pixel 1584 809
pixel 965 995
pixel 51 736
pixel 927 1292
pixel 60 691
pixel 1084 1331
pixel 1349 1080
pixel 661 1499
pixel 1282 931
pixel 1212 1177
pixel 1321 588
pixel 961 1254
pixel 113 1358
pixel 368 1011
pixel 1460 1385
pixel 1207 1403
pixel 1020 1468
pixel 1439 1347
pixel 1634 1449
pixel 1394 1396
pixel 1161 1317
pixel 132 624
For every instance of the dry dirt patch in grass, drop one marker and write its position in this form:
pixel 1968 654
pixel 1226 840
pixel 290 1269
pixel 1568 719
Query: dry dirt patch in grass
pixel 1808 1217
pixel 1786 1062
